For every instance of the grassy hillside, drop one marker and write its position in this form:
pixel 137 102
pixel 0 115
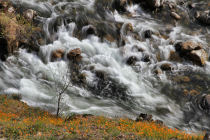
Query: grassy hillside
pixel 18 120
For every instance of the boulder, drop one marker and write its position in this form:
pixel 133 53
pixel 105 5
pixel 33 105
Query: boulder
pixel 75 55
pixel 131 60
pixel 109 38
pixel 187 46
pixel 145 58
pixel 174 56
pixel 203 17
pixel 192 51
pixel 158 71
pixel 128 28
pixel 57 54
pixel 198 57
pixel 175 15
pixel 166 67
pixel 148 34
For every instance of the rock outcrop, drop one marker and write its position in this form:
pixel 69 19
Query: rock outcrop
pixel 17 31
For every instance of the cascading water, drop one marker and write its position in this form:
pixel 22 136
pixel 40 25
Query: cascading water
pixel 112 87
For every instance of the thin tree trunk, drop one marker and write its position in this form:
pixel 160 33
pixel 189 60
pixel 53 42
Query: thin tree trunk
pixel 58 107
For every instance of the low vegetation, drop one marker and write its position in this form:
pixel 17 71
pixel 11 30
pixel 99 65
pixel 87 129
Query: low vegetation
pixel 18 120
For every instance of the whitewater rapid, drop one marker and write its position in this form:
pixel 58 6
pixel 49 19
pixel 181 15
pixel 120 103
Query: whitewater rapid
pixel 34 75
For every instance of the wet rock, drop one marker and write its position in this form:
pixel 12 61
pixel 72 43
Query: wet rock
pixel 88 30
pixel 181 79
pixel 199 57
pixel 146 58
pixel 203 17
pixel 128 28
pixel 205 103
pixel 175 15
pixel 75 55
pixel 131 60
pixel 158 71
pixel 110 38
pixel 119 5
pixel 148 34
pixel 144 117
pixel 166 67
pixel 187 46
pixel 192 51
pixel 175 57
pixel 30 14
pixel 136 48
pixel 57 54
pixel 194 92
pixel 82 77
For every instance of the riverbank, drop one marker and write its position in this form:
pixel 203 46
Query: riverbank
pixel 118 63
pixel 20 121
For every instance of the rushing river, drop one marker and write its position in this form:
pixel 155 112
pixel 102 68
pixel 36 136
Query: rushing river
pixel 112 87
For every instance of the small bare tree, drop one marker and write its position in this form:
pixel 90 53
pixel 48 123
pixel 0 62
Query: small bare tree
pixel 60 85
pixel 60 91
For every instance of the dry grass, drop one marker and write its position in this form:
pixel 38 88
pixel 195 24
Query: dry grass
pixel 17 120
